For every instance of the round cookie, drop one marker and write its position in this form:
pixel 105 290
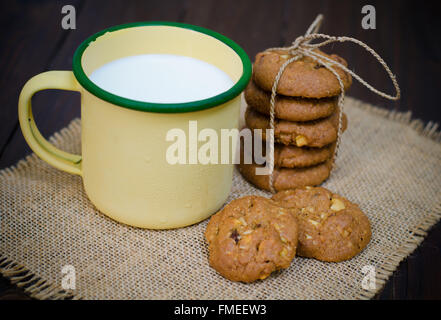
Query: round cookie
pixel 317 133
pixel 302 78
pixel 289 108
pixel 287 178
pixel 296 157
pixel 331 228
pixel 250 238
pixel 292 156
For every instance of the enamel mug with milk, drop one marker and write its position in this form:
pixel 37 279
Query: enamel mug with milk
pixel 123 158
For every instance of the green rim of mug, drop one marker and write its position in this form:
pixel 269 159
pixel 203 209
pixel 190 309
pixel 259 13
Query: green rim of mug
pixel 219 99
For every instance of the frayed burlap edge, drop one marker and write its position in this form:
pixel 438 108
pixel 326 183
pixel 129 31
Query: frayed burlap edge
pixel 19 275
pixel 33 285
pixel 416 236
pixel 38 288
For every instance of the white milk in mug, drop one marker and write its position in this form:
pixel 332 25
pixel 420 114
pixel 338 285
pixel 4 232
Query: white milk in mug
pixel 162 78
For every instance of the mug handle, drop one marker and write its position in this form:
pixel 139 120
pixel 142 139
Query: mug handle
pixel 47 80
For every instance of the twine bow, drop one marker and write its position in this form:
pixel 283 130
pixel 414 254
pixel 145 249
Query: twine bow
pixel 301 47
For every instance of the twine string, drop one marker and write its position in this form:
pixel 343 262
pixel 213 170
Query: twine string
pixel 301 47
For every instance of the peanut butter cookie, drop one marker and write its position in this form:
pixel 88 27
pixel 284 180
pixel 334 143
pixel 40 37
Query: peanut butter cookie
pixel 250 238
pixel 317 133
pixel 296 157
pixel 300 157
pixel 331 228
pixel 302 78
pixel 289 108
pixel 287 178
pixel 292 156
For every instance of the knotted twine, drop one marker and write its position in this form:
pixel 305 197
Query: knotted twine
pixel 301 47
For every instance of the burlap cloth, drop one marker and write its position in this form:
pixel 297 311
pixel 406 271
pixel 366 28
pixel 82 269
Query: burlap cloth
pixel 389 164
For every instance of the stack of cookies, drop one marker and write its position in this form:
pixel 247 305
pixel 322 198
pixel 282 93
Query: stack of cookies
pixel 306 118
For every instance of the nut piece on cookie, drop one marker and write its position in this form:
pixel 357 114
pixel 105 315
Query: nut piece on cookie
pixel 250 238
pixel 337 204
pixel 301 141
pixel 335 230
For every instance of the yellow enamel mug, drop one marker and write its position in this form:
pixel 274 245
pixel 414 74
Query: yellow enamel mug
pixel 123 158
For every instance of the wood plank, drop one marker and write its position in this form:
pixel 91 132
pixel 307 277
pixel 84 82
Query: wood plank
pixel 11 292
pixel 28 47
pixel 253 25
pixel 424 265
pixel 420 71
pixel 54 109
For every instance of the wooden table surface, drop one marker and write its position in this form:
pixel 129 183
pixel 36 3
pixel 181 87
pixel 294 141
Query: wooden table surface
pixel 407 36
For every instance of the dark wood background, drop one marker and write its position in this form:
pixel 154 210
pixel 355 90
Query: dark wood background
pixel 408 37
